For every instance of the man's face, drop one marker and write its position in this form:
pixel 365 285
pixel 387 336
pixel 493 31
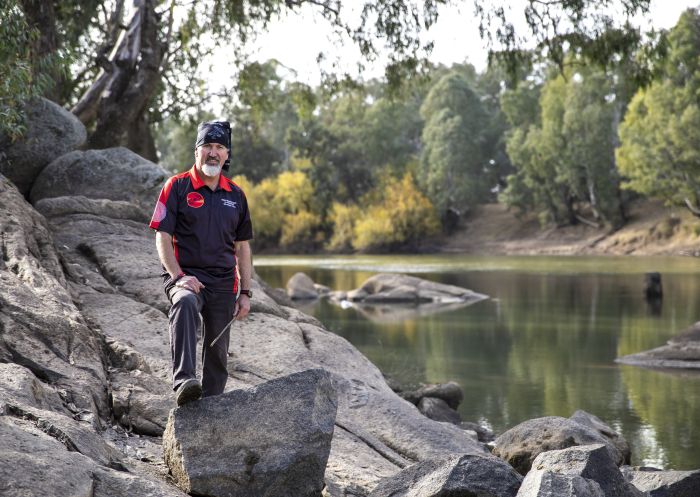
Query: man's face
pixel 209 158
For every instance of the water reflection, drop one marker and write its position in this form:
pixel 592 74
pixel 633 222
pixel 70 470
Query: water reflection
pixel 544 344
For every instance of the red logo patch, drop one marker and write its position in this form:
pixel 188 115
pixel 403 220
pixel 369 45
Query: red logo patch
pixel 195 200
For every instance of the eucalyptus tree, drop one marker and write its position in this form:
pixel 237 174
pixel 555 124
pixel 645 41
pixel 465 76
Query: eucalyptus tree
pixel 453 168
pixel 127 66
pixel 660 136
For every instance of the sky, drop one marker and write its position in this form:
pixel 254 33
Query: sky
pixel 296 39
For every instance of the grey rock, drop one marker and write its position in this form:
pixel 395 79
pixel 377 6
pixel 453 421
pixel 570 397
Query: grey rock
pixel 592 421
pixel 550 484
pixel 386 288
pixel 681 352
pixel 141 402
pixel 438 410
pixel 265 347
pixel 592 462
pixel 271 440
pixel 520 445
pixel 51 132
pixel 658 483
pixel 451 392
pixel 301 287
pixel 113 209
pixel 113 174
pixel 42 330
pixel 19 384
pixel 483 433
pixel 124 356
pixel 453 476
pixel 36 462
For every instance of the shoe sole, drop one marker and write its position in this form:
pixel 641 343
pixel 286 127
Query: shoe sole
pixel 189 392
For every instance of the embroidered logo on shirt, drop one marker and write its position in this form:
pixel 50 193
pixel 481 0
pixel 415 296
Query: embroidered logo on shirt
pixel 229 203
pixel 195 200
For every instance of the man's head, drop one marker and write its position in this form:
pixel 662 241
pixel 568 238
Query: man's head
pixel 212 146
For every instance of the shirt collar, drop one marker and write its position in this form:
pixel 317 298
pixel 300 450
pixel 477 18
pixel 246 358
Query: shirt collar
pixel 197 182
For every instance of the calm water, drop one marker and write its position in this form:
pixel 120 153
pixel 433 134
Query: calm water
pixel 543 344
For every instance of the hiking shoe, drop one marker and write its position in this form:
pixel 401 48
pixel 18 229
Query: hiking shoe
pixel 188 391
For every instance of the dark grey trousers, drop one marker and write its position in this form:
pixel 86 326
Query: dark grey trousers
pixel 216 309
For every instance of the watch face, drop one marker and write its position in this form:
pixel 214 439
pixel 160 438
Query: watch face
pixel 249 293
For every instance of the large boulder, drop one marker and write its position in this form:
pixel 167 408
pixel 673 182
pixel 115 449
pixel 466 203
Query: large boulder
pixel 113 174
pixel 453 476
pixel 270 440
pixel 51 132
pixel 520 445
pixel 658 483
pixel 590 462
pixel 681 352
pixel 387 288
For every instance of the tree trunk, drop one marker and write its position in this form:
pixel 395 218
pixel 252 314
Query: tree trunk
pixel 120 94
pixel 139 139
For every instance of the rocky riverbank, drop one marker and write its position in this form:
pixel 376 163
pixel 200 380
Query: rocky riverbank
pixel 85 394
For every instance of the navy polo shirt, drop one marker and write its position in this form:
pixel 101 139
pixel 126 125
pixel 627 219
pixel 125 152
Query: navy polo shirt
pixel 204 225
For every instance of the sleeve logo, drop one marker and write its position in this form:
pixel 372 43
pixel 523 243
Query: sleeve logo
pixel 195 200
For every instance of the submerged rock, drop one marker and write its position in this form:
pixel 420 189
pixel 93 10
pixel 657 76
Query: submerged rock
pixel 681 352
pixel 386 288
pixel 272 440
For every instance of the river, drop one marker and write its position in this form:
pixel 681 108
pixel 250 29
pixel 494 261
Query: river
pixel 543 344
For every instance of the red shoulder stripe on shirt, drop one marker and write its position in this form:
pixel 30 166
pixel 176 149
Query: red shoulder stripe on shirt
pixel 160 211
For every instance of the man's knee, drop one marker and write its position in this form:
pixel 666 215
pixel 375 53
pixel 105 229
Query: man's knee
pixel 185 300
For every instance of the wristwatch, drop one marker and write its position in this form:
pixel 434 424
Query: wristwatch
pixel 249 293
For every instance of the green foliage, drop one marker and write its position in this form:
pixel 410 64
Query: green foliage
pixel 563 148
pixel 660 138
pixel 453 162
pixel 19 80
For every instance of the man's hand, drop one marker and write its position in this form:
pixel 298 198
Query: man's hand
pixel 190 283
pixel 242 306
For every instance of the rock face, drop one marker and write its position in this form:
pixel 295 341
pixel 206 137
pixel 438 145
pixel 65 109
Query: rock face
pixel 520 445
pixel 112 174
pixel 51 132
pixel 453 476
pixel 577 471
pixel 385 288
pixel 682 351
pixel 270 440
pixel 657 483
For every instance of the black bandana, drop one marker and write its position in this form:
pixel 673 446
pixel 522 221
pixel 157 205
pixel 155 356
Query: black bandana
pixel 214 132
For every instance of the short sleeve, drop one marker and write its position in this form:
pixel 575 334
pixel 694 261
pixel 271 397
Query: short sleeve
pixel 164 214
pixel 244 230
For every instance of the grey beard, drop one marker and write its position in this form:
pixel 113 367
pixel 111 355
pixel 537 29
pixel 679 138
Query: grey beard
pixel 210 170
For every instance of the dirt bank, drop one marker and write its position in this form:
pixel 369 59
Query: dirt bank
pixel 653 229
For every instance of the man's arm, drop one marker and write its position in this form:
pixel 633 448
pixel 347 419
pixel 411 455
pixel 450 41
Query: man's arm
pixel 244 258
pixel 166 253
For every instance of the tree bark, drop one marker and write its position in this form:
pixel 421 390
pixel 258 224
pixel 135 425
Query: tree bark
pixel 119 96
pixel 140 139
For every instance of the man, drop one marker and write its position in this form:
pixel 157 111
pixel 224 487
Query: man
pixel 202 228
